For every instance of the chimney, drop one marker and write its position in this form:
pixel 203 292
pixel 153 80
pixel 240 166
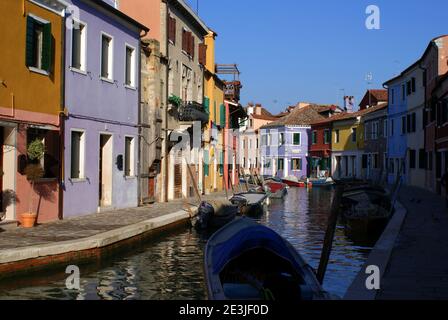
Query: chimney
pixel 258 109
pixel 349 103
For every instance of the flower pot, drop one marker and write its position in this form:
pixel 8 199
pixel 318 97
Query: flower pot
pixel 28 220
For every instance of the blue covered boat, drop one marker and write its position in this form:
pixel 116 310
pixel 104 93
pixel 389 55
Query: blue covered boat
pixel 248 261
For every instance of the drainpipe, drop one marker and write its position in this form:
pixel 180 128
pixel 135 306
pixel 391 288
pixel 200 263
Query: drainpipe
pixel 165 159
pixel 62 122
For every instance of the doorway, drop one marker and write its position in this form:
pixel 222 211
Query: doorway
pixel 105 171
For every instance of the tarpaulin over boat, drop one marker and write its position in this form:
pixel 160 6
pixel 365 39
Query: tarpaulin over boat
pixel 251 237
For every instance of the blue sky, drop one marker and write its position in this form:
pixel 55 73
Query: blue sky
pixel 296 50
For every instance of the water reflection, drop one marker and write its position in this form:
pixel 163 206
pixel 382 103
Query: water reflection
pixel 171 267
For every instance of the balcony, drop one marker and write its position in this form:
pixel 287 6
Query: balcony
pixel 193 111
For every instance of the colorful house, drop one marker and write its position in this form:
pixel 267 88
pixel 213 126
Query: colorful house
pixel 102 109
pixel 285 142
pixel 31 95
pixel 320 147
pixel 213 177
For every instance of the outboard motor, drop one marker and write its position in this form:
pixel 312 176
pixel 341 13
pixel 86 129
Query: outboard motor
pixel 205 214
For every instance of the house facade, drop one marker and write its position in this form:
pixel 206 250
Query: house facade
pixel 285 143
pixel 102 109
pixel 31 106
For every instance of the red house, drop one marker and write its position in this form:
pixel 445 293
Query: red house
pixel 440 110
pixel 320 144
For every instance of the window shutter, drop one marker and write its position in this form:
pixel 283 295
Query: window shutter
pixel 202 54
pixel 207 104
pixel 223 115
pixel 192 47
pixel 29 41
pixel 206 163
pixel 47 48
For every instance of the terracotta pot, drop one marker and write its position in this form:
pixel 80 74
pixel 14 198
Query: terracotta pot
pixel 28 220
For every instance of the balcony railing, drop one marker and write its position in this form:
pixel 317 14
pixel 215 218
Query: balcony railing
pixel 193 111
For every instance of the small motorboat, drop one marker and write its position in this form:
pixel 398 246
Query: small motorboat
pixel 321 182
pixel 294 182
pixel 275 188
pixel 214 215
pixel 250 203
pixel 248 261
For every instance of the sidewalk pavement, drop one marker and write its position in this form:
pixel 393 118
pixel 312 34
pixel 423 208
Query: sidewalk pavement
pixel 418 266
pixel 91 225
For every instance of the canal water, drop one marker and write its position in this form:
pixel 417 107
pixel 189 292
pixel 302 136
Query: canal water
pixel 170 267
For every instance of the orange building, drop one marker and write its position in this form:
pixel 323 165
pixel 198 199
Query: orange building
pixel 31 95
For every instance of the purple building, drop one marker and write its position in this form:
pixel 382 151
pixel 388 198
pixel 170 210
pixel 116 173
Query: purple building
pixel 285 142
pixel 102 108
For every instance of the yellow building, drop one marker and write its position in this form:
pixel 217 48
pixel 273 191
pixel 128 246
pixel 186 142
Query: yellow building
pixel 213 176
pixel 31 104
pixel 347 146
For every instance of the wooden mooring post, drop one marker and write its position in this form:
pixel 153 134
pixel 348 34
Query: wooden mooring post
pixel 329 234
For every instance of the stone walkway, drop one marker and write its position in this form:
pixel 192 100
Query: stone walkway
pixel 418 267
pixel 90 225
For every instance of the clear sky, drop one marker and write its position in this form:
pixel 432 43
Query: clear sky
pixel 317 50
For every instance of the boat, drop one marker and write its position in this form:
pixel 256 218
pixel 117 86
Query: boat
pixel 250 203
pixel 214 215
pixel 248 261
pixel 294 182
pixel 275 188
pixel 321 182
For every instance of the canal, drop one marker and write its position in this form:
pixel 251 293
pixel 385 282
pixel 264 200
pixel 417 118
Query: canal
pixel 170 267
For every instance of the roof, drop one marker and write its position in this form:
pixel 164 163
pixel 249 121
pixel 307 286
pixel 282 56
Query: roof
pixel 264 117
pixel 346 116
pixel 182 6
pixel 119 14
pixel 299 116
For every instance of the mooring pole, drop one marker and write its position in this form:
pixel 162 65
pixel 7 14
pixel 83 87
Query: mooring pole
pixel 329 235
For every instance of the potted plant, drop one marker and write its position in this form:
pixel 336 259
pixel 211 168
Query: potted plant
pixel 33 172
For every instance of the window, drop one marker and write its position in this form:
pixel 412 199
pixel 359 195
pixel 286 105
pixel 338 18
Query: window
pixel 422 159
pixel 412 159
pixel 354 131
pixel 314 137
pixel 282 139
pixel 129 157
pixel 375 130
pixel 296 139
pixel 264 140
pixel 130 67
pixel 50 161
pixel 376 161
pixel 413 86
pixel 106 57
pixel 281 164
pixel 77 155
pixel 364 161
pixel 79 46
pixel 414 122
pixel 188 43
pixel 327 136
pixel 296 164
pixel 206 163
pixel 408 88
pixel 385 128
pixel 38 44
pixel 408 123
pixel 403 125
pixel 392 123
pixel 172 29
pixel 337 136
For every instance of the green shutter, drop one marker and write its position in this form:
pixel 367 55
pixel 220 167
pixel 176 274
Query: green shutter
pixel 223 115
pixel 206 163
pixel 47 48
pixel 221 166
pixel 207 104
pixel 29 41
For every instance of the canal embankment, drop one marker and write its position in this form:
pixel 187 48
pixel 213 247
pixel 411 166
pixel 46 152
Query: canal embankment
pixel 411 253
pixel 83 239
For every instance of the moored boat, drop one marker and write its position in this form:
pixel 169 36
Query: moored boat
pixel 294 182
pixel 321 182
pixel 275 188
pixel 248 261
pixel 250 203
pixel 214 215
